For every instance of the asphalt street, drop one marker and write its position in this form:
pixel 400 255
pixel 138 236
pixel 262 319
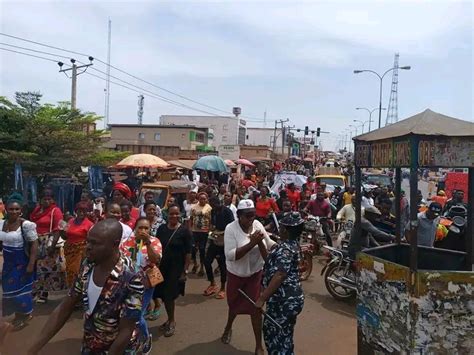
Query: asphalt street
pixel 325 326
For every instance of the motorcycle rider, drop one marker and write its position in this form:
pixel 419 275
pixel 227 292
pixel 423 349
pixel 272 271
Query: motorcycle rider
pixel 369 234
pixel 321 208
pixel 458 199
pixel 347 213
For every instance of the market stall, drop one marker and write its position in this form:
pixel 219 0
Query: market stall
pixel 414 299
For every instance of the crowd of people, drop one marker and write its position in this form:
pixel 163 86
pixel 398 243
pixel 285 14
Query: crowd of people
pixel 121 261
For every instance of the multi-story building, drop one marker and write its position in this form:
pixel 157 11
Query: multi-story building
pixel 265 136
pixel 165 141
pixel 225 129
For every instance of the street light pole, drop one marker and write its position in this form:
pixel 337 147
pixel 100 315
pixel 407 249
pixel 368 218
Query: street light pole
pixel 370 114
pixel 351 125
pixel 363 124
pixel 406 67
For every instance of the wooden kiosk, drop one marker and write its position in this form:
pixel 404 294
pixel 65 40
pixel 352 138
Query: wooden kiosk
pixel 414 299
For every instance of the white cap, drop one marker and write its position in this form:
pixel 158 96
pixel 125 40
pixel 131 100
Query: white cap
pixel 245 205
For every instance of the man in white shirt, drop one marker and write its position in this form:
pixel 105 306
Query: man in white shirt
pixel 347 213
pixel 246 245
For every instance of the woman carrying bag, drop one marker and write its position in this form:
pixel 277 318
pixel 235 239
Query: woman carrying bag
pixel 176 240
pixel 145 252
pixel 51 275
pixel 20 247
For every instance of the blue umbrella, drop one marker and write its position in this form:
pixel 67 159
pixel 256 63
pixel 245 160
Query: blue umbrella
pixel 211 163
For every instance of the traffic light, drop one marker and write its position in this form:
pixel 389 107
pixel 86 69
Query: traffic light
pixel 306 130
pixel 318 132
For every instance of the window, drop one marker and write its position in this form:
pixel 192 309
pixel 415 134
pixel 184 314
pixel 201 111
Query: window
pixel 157 136
pixel 141 135
pixel 200 137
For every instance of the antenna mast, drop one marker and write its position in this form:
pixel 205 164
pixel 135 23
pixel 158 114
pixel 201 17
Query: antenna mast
pixel 107 89
pixel 141 101
pixel 392 112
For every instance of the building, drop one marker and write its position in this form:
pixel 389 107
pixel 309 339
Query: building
pixel 264 136
pixel 255 152
pixel 167 142
pixel 223 129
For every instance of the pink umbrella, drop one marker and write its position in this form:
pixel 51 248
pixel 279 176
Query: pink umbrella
pixel 245 162
pixel 229 162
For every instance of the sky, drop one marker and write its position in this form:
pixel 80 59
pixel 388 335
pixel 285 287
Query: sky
pixel 291 59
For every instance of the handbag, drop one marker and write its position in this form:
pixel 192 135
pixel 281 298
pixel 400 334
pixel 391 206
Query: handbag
pixel 49 243
pixel 26 243
pixel 154 276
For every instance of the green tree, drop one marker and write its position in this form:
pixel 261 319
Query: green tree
pixel 48 139
pixel 29 101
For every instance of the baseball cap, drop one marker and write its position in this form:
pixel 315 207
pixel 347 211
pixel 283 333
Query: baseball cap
pixel 245 205
pixel 292 220
pixel 435 207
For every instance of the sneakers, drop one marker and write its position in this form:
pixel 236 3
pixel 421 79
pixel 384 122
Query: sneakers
pixel 148 346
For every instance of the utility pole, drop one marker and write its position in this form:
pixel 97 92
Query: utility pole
pixel 74 73
pixel 107 88
pixel 275 135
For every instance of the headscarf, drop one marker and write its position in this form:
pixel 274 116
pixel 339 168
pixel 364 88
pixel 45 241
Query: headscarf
pixel 15 197
pixel 124 189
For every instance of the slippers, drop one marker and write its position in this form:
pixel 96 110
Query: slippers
pixel 19 324
pixel 227 336
pixel 153 315
pixel 220 295
pixel 210 291
pixel 170 331
pixel 164 326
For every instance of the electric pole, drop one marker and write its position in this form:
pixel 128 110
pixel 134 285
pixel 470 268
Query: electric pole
pixel 74 73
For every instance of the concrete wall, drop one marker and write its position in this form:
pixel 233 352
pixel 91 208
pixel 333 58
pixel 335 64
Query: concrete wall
pixel 224 128
pixel 250 151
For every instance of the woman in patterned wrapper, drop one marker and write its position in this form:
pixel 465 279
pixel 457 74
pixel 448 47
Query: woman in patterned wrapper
pixel 282 288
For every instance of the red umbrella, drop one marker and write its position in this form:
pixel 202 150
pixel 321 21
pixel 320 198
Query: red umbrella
pixel 245 162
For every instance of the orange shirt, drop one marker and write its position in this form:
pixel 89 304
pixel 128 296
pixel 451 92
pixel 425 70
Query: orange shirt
pixel 263 207
pixel 440 199
pixel 294 197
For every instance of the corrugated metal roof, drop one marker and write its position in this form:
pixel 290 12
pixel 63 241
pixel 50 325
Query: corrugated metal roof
pixel 426 123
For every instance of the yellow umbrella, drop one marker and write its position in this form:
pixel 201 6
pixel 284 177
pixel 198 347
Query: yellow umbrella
pixel 142 161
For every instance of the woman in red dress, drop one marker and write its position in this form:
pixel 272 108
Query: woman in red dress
pixel 75 246
pixel 50 270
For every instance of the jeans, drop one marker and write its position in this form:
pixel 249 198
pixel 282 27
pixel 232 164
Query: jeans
pixel 327 233
pixel 215 252
pixel 147 295
pixel 200 241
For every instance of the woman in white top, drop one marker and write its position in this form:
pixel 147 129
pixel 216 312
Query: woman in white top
pixel 20 248
pixel 246 245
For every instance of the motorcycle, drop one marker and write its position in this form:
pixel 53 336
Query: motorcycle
pixel 344 235
pixel 340 275
pixel 313 232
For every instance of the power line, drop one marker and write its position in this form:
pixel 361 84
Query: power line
pixel 150 93
pixel 29 55
pixel 131 75
pixel 34 50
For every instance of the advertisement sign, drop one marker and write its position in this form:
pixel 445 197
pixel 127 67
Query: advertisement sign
pixel 231 152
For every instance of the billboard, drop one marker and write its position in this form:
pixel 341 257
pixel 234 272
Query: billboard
pixel 231 152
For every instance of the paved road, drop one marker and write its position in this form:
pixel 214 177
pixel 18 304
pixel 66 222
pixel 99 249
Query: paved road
pixel 324 327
